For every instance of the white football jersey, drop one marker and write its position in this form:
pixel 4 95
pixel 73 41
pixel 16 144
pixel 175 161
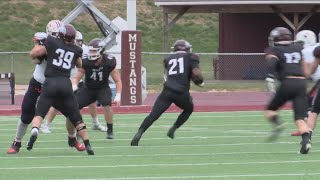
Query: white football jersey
pixel 308 57
pixel 38 73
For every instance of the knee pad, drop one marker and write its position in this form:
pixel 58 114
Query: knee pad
pixel 81 128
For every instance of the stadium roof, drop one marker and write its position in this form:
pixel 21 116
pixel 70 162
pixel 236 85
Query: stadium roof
pixel 237 6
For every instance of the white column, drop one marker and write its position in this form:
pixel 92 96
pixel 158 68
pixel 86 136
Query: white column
pixel 132 14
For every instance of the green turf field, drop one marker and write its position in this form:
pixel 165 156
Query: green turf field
pixel 227 145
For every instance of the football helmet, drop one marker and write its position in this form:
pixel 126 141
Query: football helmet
pixel 182 45
pixel 67 33
pixel 280 35
pixel 96 49
pixel 79 39
pixel 53 27
pixel 306 37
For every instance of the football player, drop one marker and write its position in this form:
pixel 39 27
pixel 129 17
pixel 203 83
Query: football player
pixel 97 68
pixel 34 89
pixel 45 127
pixel 62 55
pixel 309 41
pixel 180 68
pixel 285 63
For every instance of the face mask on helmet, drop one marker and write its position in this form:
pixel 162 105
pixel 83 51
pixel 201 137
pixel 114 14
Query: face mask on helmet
pixel 53 27
pixel 182 45
pixel 96 48
pixel 79 39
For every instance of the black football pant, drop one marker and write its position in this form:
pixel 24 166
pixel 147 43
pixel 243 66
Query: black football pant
pixel 28 106
pixel 163 102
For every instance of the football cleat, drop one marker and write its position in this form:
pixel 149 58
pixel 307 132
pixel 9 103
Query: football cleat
pixel 136 139
pixel 171 131
pixel 275 133
pixel 31 142
pixel 305 146
pixel 89 150
pixel 296 133
pixel 99 127
pixel 45 129
pixel 109 135
pixel 15 147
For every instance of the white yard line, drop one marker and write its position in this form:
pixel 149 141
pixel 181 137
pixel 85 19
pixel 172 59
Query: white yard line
pixel 162 165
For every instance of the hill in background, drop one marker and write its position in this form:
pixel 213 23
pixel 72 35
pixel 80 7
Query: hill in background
pixel 20 19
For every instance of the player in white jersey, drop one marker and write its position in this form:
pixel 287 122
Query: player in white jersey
pixel 34 89
pixel 46 127
pixel 309 41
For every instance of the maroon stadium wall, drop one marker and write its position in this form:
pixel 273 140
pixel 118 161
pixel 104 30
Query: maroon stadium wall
pixel 248 33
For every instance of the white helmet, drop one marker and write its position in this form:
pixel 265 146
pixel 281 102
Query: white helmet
pixel 308 38
pixel 79 39
pixel 53 27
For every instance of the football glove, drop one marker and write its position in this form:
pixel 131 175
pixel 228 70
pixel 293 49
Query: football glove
pixel 117 98
pixel 75 87
pixel 40 38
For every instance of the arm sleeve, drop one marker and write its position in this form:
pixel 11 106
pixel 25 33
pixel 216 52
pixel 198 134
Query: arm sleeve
pixel 194 61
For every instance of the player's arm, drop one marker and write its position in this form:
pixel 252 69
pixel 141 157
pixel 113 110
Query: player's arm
pixel 272 63
pixel 316 62
pixel 117 79
pixel 197 77
pixel 75 80
pixel 36 52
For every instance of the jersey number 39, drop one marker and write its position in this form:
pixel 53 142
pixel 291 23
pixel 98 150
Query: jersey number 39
pixel 64 59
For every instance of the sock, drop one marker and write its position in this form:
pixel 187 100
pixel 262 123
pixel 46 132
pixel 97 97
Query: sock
pixel 72 141
pixel 15 143
pixel 21 130
pixel 95 120
pixel 35 131
pixel 110 127
pixel 86 142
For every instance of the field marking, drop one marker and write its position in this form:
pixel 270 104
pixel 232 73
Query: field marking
pixel 161 165
pixel 197 177
pixel 176 145
pixel 151 155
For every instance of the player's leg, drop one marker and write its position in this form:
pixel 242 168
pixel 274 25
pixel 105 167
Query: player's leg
pixel 72 139
pixel 45 101
pixel 45 127
pixel 105 99
pixel 162 103
pixel 95 121
pixel 312 94
pixel 73 106
pixel 27 113
pixel 300 107
pixel 280 98
pixel 184 101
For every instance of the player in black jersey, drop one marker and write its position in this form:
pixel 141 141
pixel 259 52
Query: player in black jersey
pixel 62 55
pixel 97 68
pixel 180 67
pixel 286 64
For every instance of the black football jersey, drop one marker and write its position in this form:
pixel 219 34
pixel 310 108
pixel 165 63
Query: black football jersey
pixel 290 58
pixel 61 57
pixel 179 70
pixel 97 75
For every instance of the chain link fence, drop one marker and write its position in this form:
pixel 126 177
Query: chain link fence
pixel 216 67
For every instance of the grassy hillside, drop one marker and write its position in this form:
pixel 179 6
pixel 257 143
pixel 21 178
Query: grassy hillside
pixel 20 19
